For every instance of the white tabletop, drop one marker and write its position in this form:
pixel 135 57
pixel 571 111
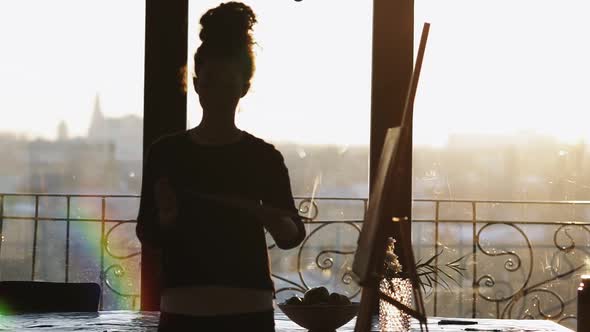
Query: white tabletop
pixel 145 321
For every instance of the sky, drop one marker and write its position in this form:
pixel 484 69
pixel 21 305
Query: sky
pixel 504 66
pixel 57 55
pixel 494 67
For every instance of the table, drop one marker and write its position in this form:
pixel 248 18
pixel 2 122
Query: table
pixel 147 321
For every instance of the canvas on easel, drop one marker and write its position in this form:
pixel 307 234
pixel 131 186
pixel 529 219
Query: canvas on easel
pixel 364 262
pixel 369 257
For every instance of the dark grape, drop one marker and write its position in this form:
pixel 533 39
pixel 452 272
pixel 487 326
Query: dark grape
pixel 294 300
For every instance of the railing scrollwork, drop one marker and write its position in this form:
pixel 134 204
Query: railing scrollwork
pixel 502 256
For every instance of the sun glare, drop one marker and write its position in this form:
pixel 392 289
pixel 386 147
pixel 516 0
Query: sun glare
pixel 494 67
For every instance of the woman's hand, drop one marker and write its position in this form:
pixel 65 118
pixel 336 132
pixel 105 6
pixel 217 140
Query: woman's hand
pixel 280 223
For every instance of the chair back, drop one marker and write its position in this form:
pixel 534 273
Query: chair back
pixel 17 297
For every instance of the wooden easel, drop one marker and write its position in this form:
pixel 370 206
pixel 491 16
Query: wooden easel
pixel 369 257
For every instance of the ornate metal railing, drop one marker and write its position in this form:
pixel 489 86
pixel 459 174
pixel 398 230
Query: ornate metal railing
pixel 518 259
pixel 21 208
pixel 523 259
pixel 502 259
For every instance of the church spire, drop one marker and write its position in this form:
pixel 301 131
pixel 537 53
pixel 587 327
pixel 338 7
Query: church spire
pixel 98 121
pixel 62 131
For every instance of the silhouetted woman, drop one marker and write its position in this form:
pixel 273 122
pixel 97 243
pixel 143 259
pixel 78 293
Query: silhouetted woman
pixel 209 192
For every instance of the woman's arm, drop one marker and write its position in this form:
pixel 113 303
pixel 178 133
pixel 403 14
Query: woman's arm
pixel 283 228
pixel 278 214
pixel 282 224
pixel 147 228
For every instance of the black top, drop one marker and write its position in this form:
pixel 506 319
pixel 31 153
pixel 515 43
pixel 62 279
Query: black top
pixel 210 243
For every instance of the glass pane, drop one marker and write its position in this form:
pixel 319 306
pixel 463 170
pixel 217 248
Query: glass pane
pixel 71 99
pixel 72 96
pixel 310 97
pixel 500 126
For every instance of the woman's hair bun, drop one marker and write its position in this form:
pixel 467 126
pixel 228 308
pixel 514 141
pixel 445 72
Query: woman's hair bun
pixel 228 26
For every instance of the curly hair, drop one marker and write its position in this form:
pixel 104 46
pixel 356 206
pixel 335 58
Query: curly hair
pixel 226 34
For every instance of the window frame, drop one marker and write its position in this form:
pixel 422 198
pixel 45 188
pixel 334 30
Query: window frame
pixel 166 33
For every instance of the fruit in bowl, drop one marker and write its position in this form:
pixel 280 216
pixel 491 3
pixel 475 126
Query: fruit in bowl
pixel 319 310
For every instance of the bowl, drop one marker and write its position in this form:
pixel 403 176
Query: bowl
pixel 320 317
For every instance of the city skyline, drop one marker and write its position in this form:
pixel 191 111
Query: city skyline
pixel 313 80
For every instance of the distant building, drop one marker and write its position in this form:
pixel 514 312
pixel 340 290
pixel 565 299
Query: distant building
pixel 107 161
pixel 13 165
pixel 124 132
pixel 70 166
pixel 62 131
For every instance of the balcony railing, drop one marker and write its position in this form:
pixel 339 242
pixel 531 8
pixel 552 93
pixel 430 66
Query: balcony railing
pixel 87 216
pixel 505 259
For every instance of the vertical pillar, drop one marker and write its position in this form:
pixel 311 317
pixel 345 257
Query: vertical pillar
pixel 166 33
pixel 393 49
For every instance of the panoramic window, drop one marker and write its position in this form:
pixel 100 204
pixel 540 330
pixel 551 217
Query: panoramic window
pixel 500 189
pixel 500 153
pixel 71 99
